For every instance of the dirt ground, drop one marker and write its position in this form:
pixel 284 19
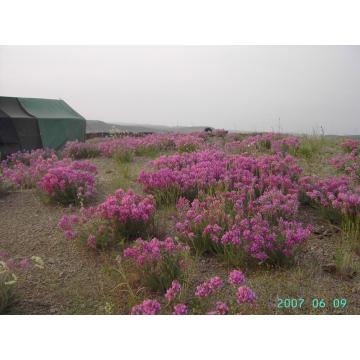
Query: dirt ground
pixel 73 279
pixel 77 281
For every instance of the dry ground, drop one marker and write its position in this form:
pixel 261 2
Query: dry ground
pixel 78 281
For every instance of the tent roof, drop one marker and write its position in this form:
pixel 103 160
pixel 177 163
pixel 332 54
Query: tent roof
pixel 49 109
pixel 40 108
pixel 12 108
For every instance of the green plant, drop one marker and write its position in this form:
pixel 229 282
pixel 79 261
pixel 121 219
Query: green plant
pixel 7 282
pixel 351 229
pixel 187 148
pixel 124 156
pixel 310 146
pixel 157 262
pixel 344 259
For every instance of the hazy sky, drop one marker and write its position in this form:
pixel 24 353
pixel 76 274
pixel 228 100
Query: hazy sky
pixel 233 87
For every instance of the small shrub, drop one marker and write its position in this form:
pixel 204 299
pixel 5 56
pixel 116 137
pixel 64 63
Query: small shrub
pixel 350 145
pixel 207 299
pixel 3 187
pixel 72 184
pixel 157 262
pixel 121 217
pixel 351 230
pixel 25 169
pixel 242 230
pixel 78 150
pixel 10 269
pixel 309 147
pixel 187 148
pixel 344 259
pixel 124 156
pixel 336 196
pixel 7 296
pixel 348 163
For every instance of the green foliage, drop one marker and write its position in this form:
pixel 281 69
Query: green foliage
pixel 187 148
pixel 160 276
pixel 344 258
pixel 310 146
pixel 7 281
pixel 351 229
pixel 124 156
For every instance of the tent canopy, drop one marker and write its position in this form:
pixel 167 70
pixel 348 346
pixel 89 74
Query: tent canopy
pixel 28 123
pixel 57 121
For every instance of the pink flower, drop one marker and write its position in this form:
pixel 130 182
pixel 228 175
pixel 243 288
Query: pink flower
pixel 70 234
pixel 221 309
pixel 236 277
pixel 173 291
pixel 209 287
pixel 24 263
pixel 245 295
pixel 91 241
pixel 147 307
pixel 180 309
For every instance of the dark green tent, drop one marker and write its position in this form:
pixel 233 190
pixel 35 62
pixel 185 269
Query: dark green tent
pixel 27 123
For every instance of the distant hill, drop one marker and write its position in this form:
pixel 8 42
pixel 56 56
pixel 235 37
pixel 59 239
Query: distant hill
pixel 95 126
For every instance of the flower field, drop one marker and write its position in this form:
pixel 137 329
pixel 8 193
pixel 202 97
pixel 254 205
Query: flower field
pixel 179 224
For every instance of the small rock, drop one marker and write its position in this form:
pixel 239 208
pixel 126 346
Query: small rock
pixel 53 310
pixel 330 268
pixel 350 273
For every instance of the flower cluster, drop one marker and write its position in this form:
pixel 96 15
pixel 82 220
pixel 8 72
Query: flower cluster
pixel 187 174
pixel 158 263
pixel 71 183
pixel 241 228
pixel 220 309
pixel 25 169
pixel 80 150
pixel 173 291
pixel 276 143
pixel 136 145
pixel 209 287
pixel 126 207
pixel 26 157
pixel 188 143
pixel 348 163
pixel 335 193
pixel 236 277
pixel 204 298
pixel 350 145
pixel 245 295
pixel 255 219
pixel 123 215
pixel 180 309
pixel 147 307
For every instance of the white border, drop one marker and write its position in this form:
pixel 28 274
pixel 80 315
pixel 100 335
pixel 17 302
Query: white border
pixel 185 22
pixel 176 337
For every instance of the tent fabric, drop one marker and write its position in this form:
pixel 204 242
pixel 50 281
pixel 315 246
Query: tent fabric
pixel 58 122
pixel 17 126
pixel 28 133
pixel 12 108
pixel 8 134
pixel 48 108
pixel 27 124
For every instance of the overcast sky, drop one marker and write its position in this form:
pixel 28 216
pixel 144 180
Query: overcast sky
pixel 236 87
